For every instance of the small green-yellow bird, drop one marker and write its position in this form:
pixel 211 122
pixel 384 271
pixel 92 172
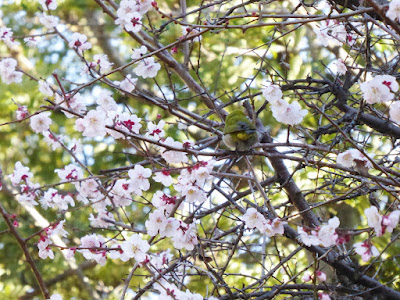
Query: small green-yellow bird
pixel 239 132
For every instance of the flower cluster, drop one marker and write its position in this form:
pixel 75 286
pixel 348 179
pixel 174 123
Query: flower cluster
pixel 334 33
pixel 380 89
pixel 253 219
pixel 382 224
pixel 44 243
pixel 324 235
pixel 8 73
pixel 283 112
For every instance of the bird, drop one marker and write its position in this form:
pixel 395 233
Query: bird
pixel 239 132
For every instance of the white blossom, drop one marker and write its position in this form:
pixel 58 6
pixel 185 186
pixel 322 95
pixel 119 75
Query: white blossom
pixel 394 10
pixel 41 122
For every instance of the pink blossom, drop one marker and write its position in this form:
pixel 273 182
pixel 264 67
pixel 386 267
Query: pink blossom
pixel 366 250
pixel 22 112
pixel 69 173
pixel 93 244
pixel 321 276
pixel 21 173
pixel 156 130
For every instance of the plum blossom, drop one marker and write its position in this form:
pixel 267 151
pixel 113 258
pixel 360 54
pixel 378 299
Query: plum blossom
pixel 394 112
pixel 48 4
pixel 323 296
pixel 394 10
pixel 48 21
pixel 161 260
pixel 87 189
pixel 122 193
pixel 106 101
pixel 130 21
pixel 41 122
pixel 139 179
pixel 272 92
pixel 6 35
pixel 79 42
pixel 189 32
pixel 253 219
pixel 147 68
pixel 93 244
pixel 57 229
pixel 186 236
pixel 52 199
pixel 324 235
pixel 93 124
pixel 32 41
pixel 172 156
pixel 340 67
pixel 135 247
pixel 156 130
pixel 99 221
pixel 163 177
pixel 45 88
pixel 8 71
pixel 306 277
pixel 327 233
pixel 330 31
pixel 366 250
pixel 192 193
pixel 44 248
pixel 374 219
pixel 163 201
pixel 290 114
pixel 102 61
pixel 128 84
pixel 353 157
pixel 201 172
pixel 125 122
pixel 158 223
pixel 69 173
pixel 52 140
pixel 381 224
pixel 321 276
pixel 22 112
pixel 21 173
pixel 379 89
pixel 274 227
pixel 75 103
pixel 390 221
pixel 138 52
